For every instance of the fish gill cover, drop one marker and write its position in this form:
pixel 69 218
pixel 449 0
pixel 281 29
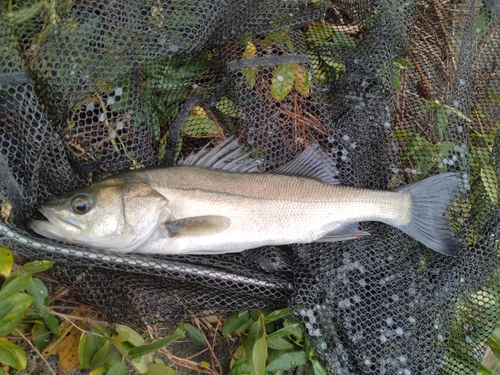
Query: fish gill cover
pixel 393 91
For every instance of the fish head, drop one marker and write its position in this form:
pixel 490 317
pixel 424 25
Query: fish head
pixel 113 214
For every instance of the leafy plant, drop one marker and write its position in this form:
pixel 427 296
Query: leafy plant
pixel 102 351
pixel 424 155
pixel 442 111
pixel 286 76
pixel 271 342
pixel 24 306
pixel 325 46
pixel 25 314
pixel 494 346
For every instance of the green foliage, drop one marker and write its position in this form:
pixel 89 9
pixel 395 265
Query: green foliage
pixel 325 47
pixel 423 154
pixel 494 345
pixel 400 64
pixel 442 111
pixel 168 82
pixel 102 351
pixel 282 81
pixel 471 334
pixel 271 342
pixel 19 292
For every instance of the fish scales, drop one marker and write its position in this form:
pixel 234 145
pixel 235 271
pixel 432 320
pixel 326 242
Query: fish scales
pixel 265 209
pixel 209 204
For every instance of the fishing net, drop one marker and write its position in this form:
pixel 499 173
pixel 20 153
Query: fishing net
pixel 393 91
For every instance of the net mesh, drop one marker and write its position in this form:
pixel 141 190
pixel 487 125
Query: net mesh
pixel 393 91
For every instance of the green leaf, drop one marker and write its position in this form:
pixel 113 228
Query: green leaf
pixel 121 336
pixel 291 329
pixel 277 314
pixel 38 266
pixel 142 363
pixel 490 182
pixel 402 63
pixel 235 321
pixel 241 366
pixel 87 347
pixel 259 356
pixel 226 106
pixel 40 336
pixel 483 21
pixel 255 333
pixel 100 357
pixel 135 339
pixel 40 295
pixel 118 369
pixel 53 324
pixel 24 14
pixel 317 367
pixel 156 345
pixel 6 261
pixel 162 150
pixel 318 34
pixel 287 361
pixel 444 148
pixel 441 121
pixel 12 311
pixel 282 81
pixel 160 369
pixel 457 112
pixel 16 282
pixel 280 37
pixel 495 342
pixel 12 355
pixel 194 334
pixel 279 344
pixel 198 124
pixel 100 329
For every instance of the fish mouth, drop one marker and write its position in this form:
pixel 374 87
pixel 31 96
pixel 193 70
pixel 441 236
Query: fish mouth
pixel 54 227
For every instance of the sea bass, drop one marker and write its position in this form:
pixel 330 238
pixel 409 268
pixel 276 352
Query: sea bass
pixel 214 202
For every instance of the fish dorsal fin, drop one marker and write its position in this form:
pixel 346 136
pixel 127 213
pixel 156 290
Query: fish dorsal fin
pixel 312 163
pixel 226 156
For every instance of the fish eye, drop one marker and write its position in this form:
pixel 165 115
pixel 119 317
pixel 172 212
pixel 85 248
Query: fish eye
pixel 81 204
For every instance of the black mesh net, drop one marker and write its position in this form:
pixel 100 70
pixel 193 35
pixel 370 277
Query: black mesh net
pixel 393 91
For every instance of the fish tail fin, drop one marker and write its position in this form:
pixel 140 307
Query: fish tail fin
pixel 429 224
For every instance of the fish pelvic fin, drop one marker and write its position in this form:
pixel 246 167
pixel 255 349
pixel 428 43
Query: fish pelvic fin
pixel 428 220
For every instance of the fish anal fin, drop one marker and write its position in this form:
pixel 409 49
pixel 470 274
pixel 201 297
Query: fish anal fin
pixel 197 226
pixel 343 233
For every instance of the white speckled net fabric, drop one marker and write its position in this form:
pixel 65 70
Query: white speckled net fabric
pixel 393 91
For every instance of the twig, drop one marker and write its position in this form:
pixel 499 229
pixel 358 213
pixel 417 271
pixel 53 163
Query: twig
pixel 36 351
pixel 447 40
pixel 115 133
pixel 478 119
pixel 196 321
pixel 423 77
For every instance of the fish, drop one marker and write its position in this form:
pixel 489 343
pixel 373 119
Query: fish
pixel 217 201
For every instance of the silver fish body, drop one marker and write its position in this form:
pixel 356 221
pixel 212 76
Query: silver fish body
pixel 197 210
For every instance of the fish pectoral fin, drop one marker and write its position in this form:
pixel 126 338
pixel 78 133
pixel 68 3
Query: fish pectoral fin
pixel 343 233
pixel 197 226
